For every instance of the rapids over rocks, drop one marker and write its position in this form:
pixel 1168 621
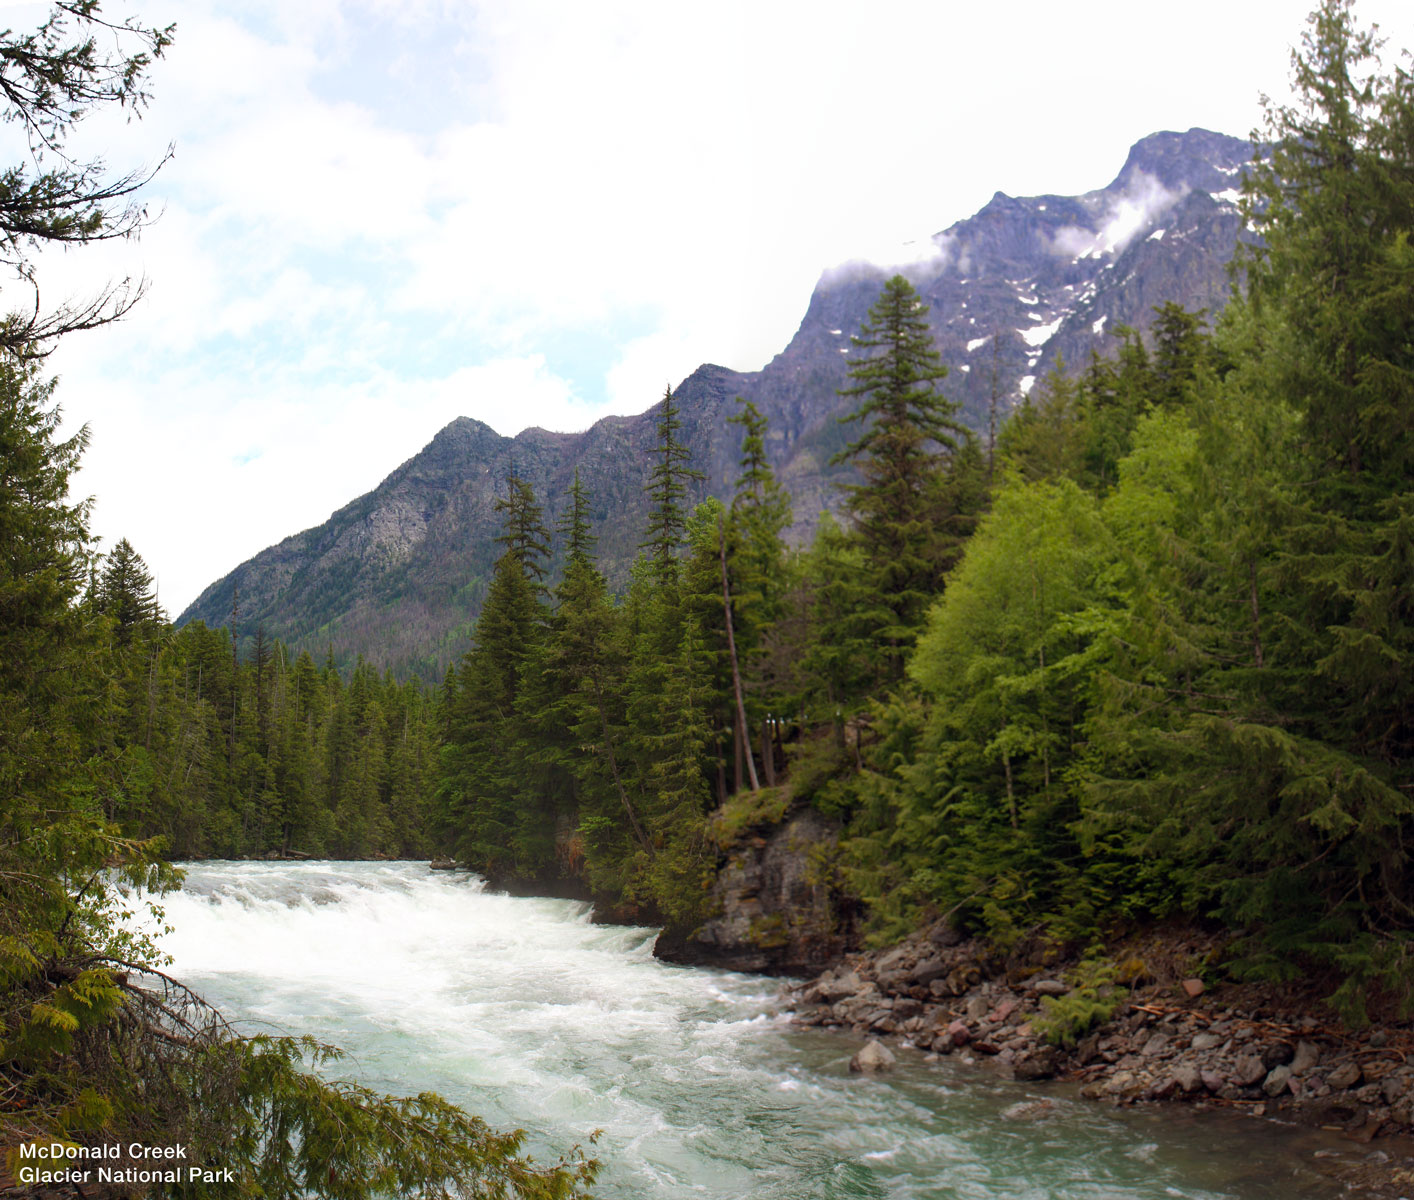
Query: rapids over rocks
pixel 527 1013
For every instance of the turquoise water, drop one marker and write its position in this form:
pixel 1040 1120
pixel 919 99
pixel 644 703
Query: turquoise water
pixel 527 1013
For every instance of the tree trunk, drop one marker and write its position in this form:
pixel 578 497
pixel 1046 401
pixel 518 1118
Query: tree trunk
pixel 768 753
pixel 731 653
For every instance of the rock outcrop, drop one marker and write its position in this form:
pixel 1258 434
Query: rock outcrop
pixel 776 910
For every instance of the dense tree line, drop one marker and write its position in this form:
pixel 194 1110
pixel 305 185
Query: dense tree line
pixel 268 755
pixel 1149 654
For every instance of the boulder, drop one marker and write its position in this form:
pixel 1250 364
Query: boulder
pixel 894 960
pixel 1307 1056
pixel 977 1007
pixel 1155 1046
pixel 924 973
pixel 1277 1081
pixel 1347 1075
pixel 1047 987
pixel 1192 988
pixel 959 1033
pixel 1206 1041
pixel 891 983
pixel 873 1058
pixel 1188 1077
pixel 906 1008
pixel 835 988
pixel 1040 1064
pixel 1248 1070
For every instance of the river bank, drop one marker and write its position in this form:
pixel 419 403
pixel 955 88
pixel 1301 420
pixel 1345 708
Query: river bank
pixel 1141 1028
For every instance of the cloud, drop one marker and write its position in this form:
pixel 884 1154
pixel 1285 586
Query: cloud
pixel 1143 200
pixel 385 214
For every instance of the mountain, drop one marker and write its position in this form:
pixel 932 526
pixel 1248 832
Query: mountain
pixel 1025 284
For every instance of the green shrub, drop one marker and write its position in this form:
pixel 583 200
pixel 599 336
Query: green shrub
pixel 1092 1000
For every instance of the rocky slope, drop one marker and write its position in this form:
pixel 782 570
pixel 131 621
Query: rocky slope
pixel 1166 1036
pixel 398 574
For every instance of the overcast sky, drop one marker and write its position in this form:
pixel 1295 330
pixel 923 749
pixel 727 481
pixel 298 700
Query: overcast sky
pixel 384 214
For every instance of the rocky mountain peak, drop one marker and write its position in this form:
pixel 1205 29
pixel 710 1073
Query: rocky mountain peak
pixel 1025 283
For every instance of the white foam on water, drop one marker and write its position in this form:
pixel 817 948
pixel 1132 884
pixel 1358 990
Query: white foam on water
pixel 526 1012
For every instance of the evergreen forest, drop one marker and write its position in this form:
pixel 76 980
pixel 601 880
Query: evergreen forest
pixel 1144 653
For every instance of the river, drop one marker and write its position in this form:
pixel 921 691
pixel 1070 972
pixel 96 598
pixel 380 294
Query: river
pixel 525 1012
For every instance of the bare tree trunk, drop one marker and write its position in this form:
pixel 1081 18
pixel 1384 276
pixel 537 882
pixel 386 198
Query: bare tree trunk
pixel 731 653
pixel 768 753
pixel 738 740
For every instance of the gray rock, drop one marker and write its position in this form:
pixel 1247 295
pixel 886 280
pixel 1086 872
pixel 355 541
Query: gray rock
pixel 977 1007
pixel 1347 1075
pixel 1379 1038
pixel 873 1058
pixel 1277 1081
pixel 1155 1046
pixel 927 971
pixel 1040 1064
pixel 892 982
pixel 1248 1070
pixel 1047 987
pixel 1307 1056
pixel 1213 1081
pixel 835 988
pixel 1188 1077
pixel 894 960
pixel 1206 1041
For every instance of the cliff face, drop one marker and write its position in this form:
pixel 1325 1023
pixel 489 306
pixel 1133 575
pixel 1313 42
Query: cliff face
pixel 776 909
pixel 398 574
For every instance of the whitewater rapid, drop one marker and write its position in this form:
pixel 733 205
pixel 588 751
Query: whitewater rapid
pixel 527 1013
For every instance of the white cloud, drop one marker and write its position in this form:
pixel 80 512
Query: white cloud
pixel 1142 202
pixel 383 214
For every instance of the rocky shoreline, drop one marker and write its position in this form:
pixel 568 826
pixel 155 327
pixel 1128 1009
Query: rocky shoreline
pixel 1158 1035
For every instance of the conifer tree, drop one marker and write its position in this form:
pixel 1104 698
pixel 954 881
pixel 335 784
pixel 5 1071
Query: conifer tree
pixel 484 763
pixel 911 438
pixel 574 525
pixel 125 591
pixel 667 492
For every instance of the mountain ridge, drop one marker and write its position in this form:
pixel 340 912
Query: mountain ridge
pixel 398 573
